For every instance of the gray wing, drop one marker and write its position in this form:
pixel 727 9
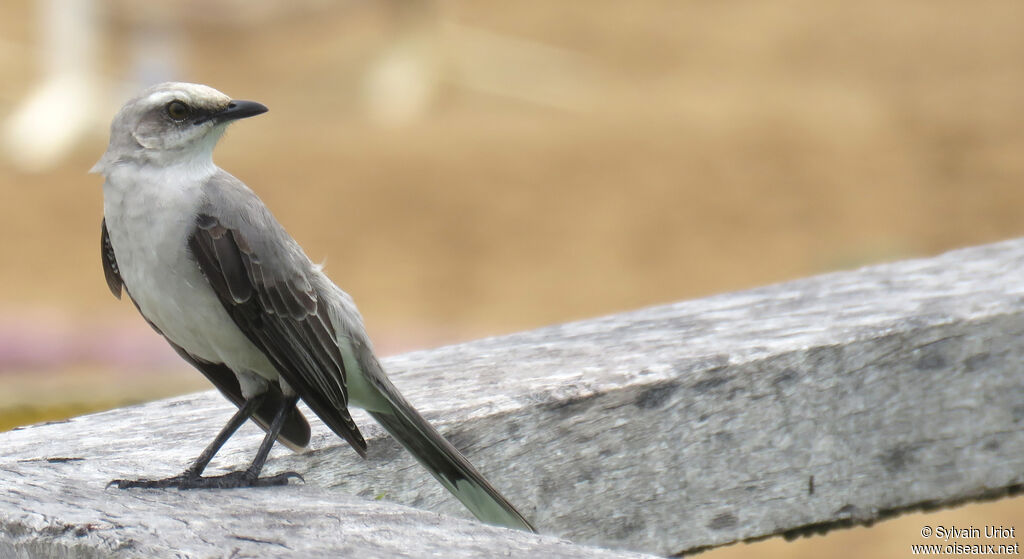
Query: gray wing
pixel 295 432
pixel 263 279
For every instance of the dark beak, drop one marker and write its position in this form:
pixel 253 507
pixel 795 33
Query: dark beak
pixel 239 109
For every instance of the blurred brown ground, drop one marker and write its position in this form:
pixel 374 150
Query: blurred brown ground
pixel 715 146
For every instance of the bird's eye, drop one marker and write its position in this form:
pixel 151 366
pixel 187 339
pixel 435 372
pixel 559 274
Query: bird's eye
pixel 178 111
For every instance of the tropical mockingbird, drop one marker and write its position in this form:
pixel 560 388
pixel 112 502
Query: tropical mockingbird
pixel 211 270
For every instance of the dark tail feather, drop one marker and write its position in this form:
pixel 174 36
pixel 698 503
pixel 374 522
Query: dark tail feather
pixel 448 465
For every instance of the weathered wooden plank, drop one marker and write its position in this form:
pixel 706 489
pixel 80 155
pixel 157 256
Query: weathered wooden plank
pixel 828 401
pixel 54 502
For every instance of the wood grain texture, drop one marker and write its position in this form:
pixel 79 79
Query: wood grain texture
pixel 819 403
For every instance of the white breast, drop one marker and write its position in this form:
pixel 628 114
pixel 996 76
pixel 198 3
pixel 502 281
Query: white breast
pixel 149 215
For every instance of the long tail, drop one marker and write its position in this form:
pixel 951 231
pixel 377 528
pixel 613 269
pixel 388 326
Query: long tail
pixel 445 461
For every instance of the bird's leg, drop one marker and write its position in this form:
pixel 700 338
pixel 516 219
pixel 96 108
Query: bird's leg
pixel 191 478
pixel 250 477
pixel 236 421
pixel 260 459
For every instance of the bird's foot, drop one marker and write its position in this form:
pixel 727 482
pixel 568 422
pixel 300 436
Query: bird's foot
pixel 242 478
pixel 231 480
pixel 148 483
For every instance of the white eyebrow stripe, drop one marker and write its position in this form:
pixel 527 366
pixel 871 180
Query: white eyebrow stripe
pixel 203 97
pixel 160 97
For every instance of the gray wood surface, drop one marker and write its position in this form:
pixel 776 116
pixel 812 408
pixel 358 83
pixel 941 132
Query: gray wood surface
pixel 820 403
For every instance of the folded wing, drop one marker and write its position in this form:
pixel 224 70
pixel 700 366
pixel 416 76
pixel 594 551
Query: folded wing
pixel 263 283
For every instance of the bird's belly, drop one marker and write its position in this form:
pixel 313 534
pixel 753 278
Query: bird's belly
pixel 172 293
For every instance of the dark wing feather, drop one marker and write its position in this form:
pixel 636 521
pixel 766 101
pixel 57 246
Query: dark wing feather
pixel 110 270
pixel 295 432
pixel 273 303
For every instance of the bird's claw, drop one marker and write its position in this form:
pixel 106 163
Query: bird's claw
pixel 231 480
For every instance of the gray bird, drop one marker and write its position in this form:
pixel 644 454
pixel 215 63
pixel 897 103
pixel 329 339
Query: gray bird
pixel 210 269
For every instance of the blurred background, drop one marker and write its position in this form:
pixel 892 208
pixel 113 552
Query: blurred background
pixel 476 168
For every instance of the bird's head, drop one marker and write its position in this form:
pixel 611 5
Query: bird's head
pixel 172 124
